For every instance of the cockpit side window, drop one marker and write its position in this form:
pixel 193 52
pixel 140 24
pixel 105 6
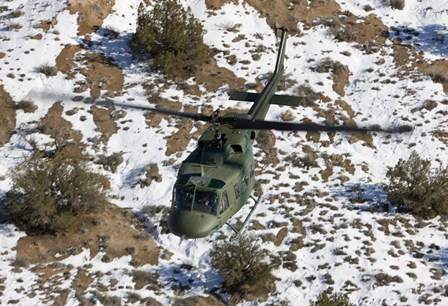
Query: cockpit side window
pixel 236 188
pixel 206 201
pixel 225 202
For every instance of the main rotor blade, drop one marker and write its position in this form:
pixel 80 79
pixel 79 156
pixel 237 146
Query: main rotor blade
pixel 193 116
pixel 307 127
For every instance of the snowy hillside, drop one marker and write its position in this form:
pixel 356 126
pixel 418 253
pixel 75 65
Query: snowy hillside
pixel 324 217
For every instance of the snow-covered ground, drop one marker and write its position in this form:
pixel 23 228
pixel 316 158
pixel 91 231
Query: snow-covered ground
pixel 349 240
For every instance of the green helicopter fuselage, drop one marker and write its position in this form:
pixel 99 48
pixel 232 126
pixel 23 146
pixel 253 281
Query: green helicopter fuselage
pixel 217 178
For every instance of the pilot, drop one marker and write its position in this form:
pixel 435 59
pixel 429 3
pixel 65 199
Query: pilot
pixel 203 199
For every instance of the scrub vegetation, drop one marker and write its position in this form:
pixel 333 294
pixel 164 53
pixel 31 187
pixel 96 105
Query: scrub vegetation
pixel 52 194
pixel 240 263
pixel 414 187
pixel 170 38
pixel 336 299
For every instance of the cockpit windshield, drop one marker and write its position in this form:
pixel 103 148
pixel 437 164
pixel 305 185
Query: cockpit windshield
pixel 187 198
pixel 184 197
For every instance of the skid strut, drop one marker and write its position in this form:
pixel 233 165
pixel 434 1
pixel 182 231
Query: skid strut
pixel 242 228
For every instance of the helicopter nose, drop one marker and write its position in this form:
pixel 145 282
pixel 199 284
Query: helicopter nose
pixel 192 224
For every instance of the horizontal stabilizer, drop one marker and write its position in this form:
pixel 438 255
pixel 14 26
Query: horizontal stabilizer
pixel 276 99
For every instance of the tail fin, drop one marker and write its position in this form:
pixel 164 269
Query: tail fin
pixel 260 108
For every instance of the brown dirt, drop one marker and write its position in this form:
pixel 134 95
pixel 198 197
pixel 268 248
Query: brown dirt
pixel 67 140
pixel 52 275
pixel 214 77
pixel 151 174
pixel 198 301
pixel 104 76
pixel 101 73
pixel 370 32
pixel 153 119
pixel 46 25
pixel 337 160
pixel 354 137
pixel 281 234
pixel 115 231
pixel 340 79
pixel 407 59
pixel 91 13
pixel 278 12
pixel 180 139
pixel 403 55
pixel 65 60
pixel 266 141
pixel 7 116
pixel 441 135
pixel 217 4
pixel 103 119
pixel 437 70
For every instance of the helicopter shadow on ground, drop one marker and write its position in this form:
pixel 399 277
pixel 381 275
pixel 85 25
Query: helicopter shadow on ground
pixel 431 39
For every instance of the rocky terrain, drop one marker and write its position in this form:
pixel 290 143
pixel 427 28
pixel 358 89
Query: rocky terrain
pixel 325 218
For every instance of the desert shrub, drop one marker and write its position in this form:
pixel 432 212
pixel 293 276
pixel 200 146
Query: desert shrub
pixel 396 4
pixel 27 106
pixel 14 26
pixel 170 37
pixel 335 299
pixel 50 194
pixel 340 31
pixel 240 262
pixel 109 300
pixel 414 187
pixel 328 65
pixel 47 69
pixel 111 162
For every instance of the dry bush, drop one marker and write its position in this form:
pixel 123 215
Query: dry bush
pixel 47 69
pixel 396 4
pixel 328 65
pixel 27 106
pixel 14 26
pixel 111 33
pixel 336 299
pixel 340 31
pixel 52 194
pixel 240 263
pixel 170 37
pixel 414 187
pixel 111 162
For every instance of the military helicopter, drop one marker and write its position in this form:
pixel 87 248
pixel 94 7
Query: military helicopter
pixel 216 180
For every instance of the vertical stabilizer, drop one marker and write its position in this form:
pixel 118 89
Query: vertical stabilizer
pixel 260 107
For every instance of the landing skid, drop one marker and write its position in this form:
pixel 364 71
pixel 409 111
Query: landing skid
pixel 242 228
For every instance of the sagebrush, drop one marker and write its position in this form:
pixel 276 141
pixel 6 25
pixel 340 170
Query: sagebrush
pixel 53 194
pixel 171 38
pixel 240 262
pixel 335 299
pixel 414 187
